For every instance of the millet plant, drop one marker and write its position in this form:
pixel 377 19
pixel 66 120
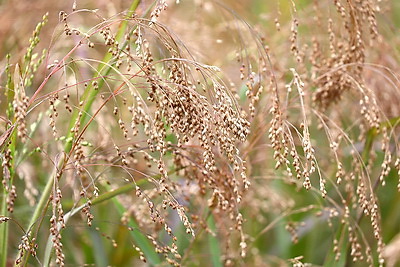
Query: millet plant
pixel 204 132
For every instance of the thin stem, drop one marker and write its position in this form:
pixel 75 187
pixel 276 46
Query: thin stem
pixel 3 231
pixel 42 204
pixel 4 209
pixel 89 96
pixel 213 243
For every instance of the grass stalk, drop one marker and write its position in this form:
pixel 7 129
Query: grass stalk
pixel 100 199
pixel 13 137
pixel 213 244
pixel 3 232
pixel 141 240
pixel 88 96
pixel 4 228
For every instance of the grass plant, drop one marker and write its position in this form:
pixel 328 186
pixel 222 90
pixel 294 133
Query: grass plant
pixel 191 133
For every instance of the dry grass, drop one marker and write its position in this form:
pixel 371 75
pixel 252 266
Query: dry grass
pixel 184 135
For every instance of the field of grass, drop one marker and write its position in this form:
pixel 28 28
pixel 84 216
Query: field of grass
pixel 200 133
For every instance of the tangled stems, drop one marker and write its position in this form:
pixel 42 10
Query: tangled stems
pixel 88 97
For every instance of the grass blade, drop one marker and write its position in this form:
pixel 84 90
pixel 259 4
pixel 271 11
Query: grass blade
pixel 141 240
pixel 213 244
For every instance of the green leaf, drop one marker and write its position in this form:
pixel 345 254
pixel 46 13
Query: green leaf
pixel 141 240
pixel 213 243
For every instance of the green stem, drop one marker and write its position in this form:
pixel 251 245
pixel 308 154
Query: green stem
pixel 3 232
pixel 68 215
pixel 4 211
pixel 88 97
pixel 9 93
pixel 141 240
pixel 42 205
pixel 213 243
